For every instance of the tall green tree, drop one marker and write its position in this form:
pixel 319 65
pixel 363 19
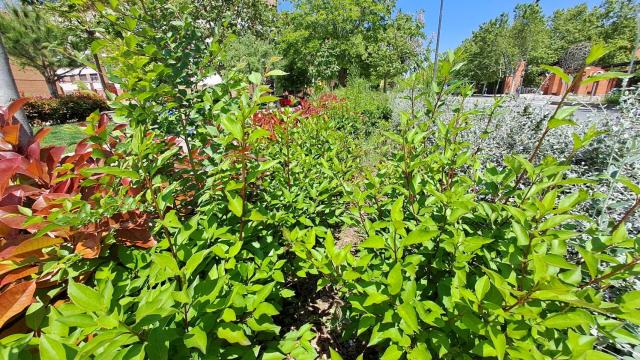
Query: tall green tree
pixel 531 38
pixel 491 53
pixel 238 17
pixel 33 38
pixel 618 24
pixel 571 26
pixel 396 47
pixel 250 53
pixel 324 40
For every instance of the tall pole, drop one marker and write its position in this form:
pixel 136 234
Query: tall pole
pixel 9 89
pixel 435 63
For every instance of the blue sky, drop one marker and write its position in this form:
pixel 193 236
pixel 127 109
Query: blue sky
pixel 462 17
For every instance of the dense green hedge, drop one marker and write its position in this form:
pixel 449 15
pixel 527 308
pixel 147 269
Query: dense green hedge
pixel 65 109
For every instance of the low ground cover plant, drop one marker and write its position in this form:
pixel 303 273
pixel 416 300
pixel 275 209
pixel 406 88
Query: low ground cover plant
pixel 220 237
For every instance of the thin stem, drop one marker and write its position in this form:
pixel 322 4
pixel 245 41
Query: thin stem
pixel 535 151
pixel 627 214
pixel 599 279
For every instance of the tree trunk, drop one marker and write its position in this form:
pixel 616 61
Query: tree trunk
pixel 495 91
pixel 9 92
pixel 384 85
pixel 342 77
pixel 52 85
pixel 484 88
pixel 103 81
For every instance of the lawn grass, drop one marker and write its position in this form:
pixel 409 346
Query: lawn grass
pixel 64 135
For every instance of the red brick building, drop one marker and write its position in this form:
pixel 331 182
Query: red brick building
pixel 29 81
pixel 553 85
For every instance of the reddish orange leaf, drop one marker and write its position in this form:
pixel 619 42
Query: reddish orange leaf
pixel 29 245
pixel 18 274
pixel 14 107
pixel 88 241
pixel 41 134
pixel 11 134
pixel 15 299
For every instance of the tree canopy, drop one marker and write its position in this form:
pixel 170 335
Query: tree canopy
pixel 364 38
pixel 529 36
pixel 34 39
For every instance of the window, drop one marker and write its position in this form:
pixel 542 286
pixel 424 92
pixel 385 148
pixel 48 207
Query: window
pixel 94 77
pixel 83 77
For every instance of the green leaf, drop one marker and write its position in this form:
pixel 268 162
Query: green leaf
pixel 597 355
pixel 419 352
pixel 559 72
pixel 419 236
pixel 392 353
pixel 556 123
pixel 408 315
pixel 228 315
pixel 196 338
pixel 591 260
pixel 604 76
pixel 566 320
pixel 194 261
pixel 255 78
pixel 619 235
pixel 171 220
pixel 558 261
pixel 233 333
pixel 262 132
pixel 109 170
pixel 85 297
pixel 598 50
pixel 51 349
pixel 555 221
pixel 499 342
pixel 522 235
pixel 482 287
pixel 276 73
pixel 166 261
pixel 631 299
pixel 627 182
pixel 565 112
pixel 397 214
pixel 375 298
pixel 232 125
pixel 235 204
pixel 334 354
pixel 78 320
pixel 395 279
pixel 373 242
pixel 25 211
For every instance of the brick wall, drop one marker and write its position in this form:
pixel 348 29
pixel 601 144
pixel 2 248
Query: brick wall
pixel 29 81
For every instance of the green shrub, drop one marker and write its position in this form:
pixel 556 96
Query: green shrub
pixel 285 244
pixel 361 99
pixel 613 97
pixel 65 109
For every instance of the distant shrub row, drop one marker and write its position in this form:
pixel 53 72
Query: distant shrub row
pixel 65 109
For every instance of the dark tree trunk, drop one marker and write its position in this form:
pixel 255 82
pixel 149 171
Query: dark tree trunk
pixel 103 81
pixel 52 85
pixel 342 77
